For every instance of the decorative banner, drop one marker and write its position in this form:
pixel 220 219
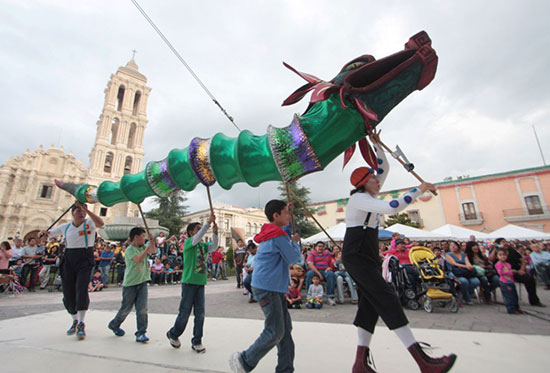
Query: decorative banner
pixel 341 204
pixel 321 210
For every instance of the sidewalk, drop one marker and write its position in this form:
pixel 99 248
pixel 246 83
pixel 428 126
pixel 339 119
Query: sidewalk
pixel 39 342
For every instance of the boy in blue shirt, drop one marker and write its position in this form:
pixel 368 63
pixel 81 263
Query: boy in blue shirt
pixel 270 284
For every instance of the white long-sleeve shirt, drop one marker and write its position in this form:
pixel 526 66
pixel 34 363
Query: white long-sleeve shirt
pixel 361 204
pixel 198 237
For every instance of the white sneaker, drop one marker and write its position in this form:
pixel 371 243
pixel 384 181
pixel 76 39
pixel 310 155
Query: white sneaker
pixel 198 348
pixel 331 302
pixel 235 363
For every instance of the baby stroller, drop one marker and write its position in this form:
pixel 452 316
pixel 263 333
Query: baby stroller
pixel 56 286
pixel 399 280
pixel 434 285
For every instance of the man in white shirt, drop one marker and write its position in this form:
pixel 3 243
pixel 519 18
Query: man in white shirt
pixel 31 261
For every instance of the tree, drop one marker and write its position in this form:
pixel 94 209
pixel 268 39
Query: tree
pixel 304 227
pixel 170 211
pixel 401 218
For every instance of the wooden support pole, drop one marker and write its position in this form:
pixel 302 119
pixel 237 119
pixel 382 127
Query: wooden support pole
pixel 144 221
pixel 292 221
pixel 210 200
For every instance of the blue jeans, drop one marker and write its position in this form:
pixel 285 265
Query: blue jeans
pixel 510 297
pixel 247 283
pixel 329 277
pixel 120 273
pixel 192 297
pixel 105 274
pixel 467 286
pixel 342 276
pixel 277 332
pixel 133 295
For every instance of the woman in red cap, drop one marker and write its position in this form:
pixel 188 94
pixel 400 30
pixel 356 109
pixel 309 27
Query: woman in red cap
pixel 361 259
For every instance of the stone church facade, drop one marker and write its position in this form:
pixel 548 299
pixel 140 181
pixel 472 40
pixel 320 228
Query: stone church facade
pixel 29 200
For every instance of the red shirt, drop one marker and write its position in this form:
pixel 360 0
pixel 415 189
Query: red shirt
pixel 216 257
pixel 293 293
pixel 402 255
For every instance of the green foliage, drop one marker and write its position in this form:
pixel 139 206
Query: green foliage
pixel 229 257
pixel 170 211
pixel 401 218
pixel 304 227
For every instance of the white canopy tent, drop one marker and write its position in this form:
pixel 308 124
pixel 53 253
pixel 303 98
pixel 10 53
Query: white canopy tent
pixel 515 232
pixel 415 234
pixel 337 233
pixel 459 233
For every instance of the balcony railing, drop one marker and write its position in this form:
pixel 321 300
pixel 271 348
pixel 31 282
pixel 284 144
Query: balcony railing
pixel 527 214
pixel 475 218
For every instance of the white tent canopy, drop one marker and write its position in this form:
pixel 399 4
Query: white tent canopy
pixel 515 232
pixel 459 233
pixel 415 234
pixel 337 233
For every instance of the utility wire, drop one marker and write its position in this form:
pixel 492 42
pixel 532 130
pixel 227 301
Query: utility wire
pixel 197 79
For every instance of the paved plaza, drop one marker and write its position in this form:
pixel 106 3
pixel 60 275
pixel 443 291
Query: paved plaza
pixel 32 335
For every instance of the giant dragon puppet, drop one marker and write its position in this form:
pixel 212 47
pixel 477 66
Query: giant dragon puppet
pixel 341 113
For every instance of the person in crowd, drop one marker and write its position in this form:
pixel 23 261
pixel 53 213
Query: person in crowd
pixel 95 283
pixel 177 274
pixel 506 281
pixel 394 237
pixel 238 261
pixel 315 294
pixel 401 252
pixel 136 278
pixel 459 265
pixel 120 262
pixel 298 273
pixel 105 259
pixel 541 261
pixel 439 256
pixel 77 263
pixel 444 247
pixel 49 262
pixel 32 256
pixel 5 255
pixel 486 272
pixel 16 251
pixel 519 268
pixel 168 274
pixel 162 245
pixel 193 282
pixel 341 276
pixel 361 257
pixel 157 272
pixel 293 297
pixel 270 285
pixel 217 256
pixel 249 268
pixel 335 251
pixel 319 263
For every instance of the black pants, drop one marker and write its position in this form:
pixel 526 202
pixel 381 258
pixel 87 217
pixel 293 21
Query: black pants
pixel 530 286
pixel 376 296
pixel 76 270
pixel 239 274
pixel 32 269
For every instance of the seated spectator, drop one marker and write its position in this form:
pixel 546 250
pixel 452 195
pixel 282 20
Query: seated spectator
pixel 168 274
pixel 519 269
pixel 95 284
pixel 341 276
pixel 486 273
pixel 157 272
pixel 319 263
pixel 293 297
pixel 541 261
pixel 401 252
pixel 460 266
pixel 5 255
pixel 16 252
pixel 177 274
pixel 315 294
pixel 249 269
pixel 439 256
pixel 297 273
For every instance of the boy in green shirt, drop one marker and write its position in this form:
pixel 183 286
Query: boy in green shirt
pixel 134 291
pixel 193 280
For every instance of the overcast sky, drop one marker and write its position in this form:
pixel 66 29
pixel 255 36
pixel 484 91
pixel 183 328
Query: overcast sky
pixel 492 84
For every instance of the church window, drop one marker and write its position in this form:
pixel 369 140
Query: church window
pixel 114 130
pixel 46 191
pixel 120 98
pixel 128 165
pixel 108 162
pixel 255 228
pixel 248 228
pixel 103 211
pixel 132 136
pixel 137 97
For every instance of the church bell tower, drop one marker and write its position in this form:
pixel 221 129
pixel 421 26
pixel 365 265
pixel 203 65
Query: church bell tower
pixel 118 147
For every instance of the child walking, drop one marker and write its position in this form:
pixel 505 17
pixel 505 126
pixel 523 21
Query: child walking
pixel 192 283
pixel 134 290
pixel 506 282
pixel 270 284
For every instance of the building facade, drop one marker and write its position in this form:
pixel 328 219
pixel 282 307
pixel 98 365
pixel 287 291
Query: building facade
pixel 234 222
pixel 29 200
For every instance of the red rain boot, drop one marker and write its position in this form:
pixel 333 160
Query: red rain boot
pixel 363 361
pixel 429 364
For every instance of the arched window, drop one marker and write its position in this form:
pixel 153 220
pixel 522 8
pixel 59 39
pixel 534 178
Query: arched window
pixel 108 162
pixel 120 98
pixel 137 97
pixel 255 228
pixel 248 228
pixel 128 165
pixel 114 130
pixel 132 136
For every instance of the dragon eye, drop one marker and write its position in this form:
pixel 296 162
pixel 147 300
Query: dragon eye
pixel 353 66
